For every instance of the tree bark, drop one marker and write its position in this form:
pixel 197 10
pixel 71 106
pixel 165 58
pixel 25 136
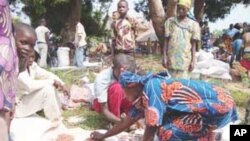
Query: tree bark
pixel 199 9
pixel 68 31
pixel 157 16
pixel 171 8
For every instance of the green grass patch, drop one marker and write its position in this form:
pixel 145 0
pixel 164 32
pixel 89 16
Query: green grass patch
pixel 73 76
pixel 240 98
pixel 92 120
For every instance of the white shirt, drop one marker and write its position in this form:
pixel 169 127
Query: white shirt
pixel 102 83
pixel 37 79
pixel 80 33
pixel 41 32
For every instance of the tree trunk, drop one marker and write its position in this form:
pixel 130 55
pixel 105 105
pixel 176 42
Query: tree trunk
pixel 157 16
pixel 199 9
pixel 68 31
pixel 171 8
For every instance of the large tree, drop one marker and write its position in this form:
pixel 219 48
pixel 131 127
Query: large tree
pixel 62 14
pixel 157 15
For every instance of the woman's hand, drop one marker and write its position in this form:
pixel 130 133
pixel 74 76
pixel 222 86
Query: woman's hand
pixel 96 135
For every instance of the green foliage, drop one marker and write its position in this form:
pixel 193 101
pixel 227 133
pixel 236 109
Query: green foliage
pixel 57 12
pixel 16 20
pixel 214 9
pixel 219 8
pixel 245 79
pixel 52 10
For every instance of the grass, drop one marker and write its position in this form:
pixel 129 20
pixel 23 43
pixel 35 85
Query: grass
pixel 91 119
pixel 240 98
pixel 94 120
pixel 73 76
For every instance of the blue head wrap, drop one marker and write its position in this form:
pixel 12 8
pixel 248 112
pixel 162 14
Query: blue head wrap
pixel 129 79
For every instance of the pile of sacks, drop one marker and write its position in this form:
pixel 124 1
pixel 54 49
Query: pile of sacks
pixel 208 66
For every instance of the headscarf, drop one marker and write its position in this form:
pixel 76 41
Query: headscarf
pixel 186 3
pixel 130 79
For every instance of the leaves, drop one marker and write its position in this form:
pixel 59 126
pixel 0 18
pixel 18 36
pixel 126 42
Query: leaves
pixel 60 18
pixel 214 9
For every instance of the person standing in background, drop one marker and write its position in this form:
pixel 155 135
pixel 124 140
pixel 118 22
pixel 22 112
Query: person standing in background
pixel 181 37
pixel 124 29
pixel 236 45
pixel 80 44
pixel 8 70
pixel 42 33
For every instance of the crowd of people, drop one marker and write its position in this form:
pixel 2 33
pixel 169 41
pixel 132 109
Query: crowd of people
pixel 161 101
pixel 173 106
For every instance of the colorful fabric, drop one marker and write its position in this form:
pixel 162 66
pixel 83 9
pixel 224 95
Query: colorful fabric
pixel 124 31
pixel 8 59
pixel 117 103
pixel 245 63
pixel 187 3
pixel 228 44
pixel 128 79
pixel 182 109
pixel 179 46
pixel 180 74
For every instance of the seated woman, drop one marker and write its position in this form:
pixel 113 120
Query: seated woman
pixel 177 109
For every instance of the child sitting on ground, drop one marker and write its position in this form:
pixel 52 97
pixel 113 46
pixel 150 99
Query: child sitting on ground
pixel 36 88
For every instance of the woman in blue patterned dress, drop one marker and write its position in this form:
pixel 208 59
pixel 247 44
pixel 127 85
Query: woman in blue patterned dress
pixel 175 109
